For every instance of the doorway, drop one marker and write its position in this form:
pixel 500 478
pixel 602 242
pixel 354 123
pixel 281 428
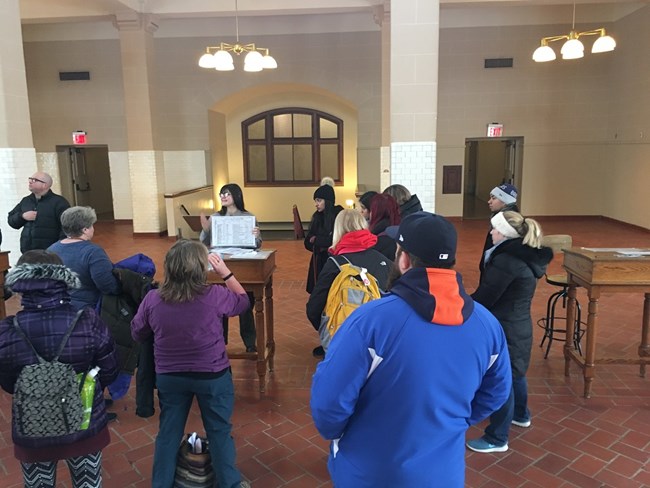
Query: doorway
pixel 86 178
pixel 489 162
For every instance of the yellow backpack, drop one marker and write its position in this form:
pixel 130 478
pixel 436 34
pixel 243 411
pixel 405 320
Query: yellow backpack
pixel 352 287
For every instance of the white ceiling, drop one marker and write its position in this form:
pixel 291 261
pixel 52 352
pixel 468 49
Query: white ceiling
pixel 41 11
pixel 86 19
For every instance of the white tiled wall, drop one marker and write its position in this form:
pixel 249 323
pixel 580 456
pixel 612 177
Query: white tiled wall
pixel 146 169
pixel 413 164
pixel 121 185
pixel 49 163
pixel 16 165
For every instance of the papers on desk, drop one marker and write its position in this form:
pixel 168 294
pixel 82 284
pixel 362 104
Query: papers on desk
pixel 631 252
pixel 260 254
pixel 240 253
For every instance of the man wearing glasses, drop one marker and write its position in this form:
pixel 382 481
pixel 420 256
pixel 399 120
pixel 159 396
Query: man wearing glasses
pixel 39 214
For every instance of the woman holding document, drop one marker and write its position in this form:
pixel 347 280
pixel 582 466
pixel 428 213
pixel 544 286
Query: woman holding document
pixel 232 204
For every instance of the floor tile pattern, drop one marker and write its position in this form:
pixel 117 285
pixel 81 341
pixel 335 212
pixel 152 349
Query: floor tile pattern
pixel 573 442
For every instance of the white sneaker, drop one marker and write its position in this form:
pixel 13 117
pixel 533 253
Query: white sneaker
pixel 521 423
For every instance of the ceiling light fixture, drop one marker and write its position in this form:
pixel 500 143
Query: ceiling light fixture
pixel 219 57
pixel 573 48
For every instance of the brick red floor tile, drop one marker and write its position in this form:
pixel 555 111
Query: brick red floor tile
pixel 571 437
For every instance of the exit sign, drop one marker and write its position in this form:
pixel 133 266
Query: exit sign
pixel 495 130
pixel 79 137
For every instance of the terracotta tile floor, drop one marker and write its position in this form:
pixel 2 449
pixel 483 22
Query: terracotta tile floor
pixel 573 442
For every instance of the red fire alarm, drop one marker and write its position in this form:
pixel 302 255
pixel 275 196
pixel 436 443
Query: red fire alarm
pixel 79 137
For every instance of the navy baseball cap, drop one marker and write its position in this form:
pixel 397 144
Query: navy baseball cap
pixel 430 237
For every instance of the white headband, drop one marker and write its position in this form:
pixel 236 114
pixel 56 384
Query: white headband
pixel 500 223
pixel 503 196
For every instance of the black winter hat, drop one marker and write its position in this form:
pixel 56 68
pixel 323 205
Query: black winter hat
pixel 325 192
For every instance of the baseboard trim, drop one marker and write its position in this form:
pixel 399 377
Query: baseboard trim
pixel 151 235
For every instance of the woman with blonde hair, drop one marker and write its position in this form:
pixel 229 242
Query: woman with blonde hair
pixel 353 242
pixel 184 316
pixel 512 267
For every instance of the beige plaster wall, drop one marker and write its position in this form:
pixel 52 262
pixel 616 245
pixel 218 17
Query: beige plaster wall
pixel 585 123
pixel 58 108
pixel 559 108
pixel 626 157
pixel 346 65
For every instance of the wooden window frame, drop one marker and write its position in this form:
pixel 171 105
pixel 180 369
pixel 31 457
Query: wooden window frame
pixel 269 141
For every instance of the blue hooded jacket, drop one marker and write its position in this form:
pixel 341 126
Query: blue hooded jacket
pixel 404 378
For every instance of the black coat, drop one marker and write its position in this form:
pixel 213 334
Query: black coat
pixel 117 312
pixel 46 229
pixel 506 289
pixel 376 263
pixel 412 205
pixel 488 238
pixel 385 244
pixel 322 229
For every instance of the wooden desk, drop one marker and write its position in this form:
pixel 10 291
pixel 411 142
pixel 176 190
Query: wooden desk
pixel 610 272
pixel 4 266
pixel 256 276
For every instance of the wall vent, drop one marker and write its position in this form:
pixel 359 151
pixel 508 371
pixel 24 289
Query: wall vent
pixel 498 63
pixel 74 75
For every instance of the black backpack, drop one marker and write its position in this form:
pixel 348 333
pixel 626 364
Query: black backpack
pixel 47 399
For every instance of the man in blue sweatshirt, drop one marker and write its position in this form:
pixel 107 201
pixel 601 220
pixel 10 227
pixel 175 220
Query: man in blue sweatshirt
pixel 406 375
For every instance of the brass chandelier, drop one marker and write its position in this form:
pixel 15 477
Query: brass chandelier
pixel 219 57
pixel 573 48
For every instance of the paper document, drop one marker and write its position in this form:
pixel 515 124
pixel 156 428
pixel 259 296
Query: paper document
pixel 233 231
pixel 621 251
pixel 252 255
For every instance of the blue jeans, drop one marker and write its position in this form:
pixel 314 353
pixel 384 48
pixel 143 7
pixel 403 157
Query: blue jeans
pixel 516 407
pixel 216 399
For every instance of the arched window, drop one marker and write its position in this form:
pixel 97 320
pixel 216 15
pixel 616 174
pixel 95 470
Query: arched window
pixel 292 147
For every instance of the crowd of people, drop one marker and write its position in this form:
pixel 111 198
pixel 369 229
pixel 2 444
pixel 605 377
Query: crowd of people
pixel 387 426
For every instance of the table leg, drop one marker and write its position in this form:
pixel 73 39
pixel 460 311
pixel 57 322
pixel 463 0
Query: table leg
pixel 644 348
pixel 590 354
pixel 260 339
pixel 570 327
pixel 270 339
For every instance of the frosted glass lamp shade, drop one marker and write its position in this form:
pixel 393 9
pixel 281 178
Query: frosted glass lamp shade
pixel 543 54
pixel 206 61
pixel 603 44
pixel 269 62
pixel 573 49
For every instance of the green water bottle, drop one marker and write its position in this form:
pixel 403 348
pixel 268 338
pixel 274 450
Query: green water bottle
pixel 88 395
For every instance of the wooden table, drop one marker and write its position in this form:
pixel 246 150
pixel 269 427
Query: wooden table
pixel 4 266
pixel 256 276
pixel 610 272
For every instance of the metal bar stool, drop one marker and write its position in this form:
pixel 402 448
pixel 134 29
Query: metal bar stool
pixel 558 243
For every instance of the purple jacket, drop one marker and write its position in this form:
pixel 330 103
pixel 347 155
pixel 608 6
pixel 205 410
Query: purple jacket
pixel 188 336
pixel 45 317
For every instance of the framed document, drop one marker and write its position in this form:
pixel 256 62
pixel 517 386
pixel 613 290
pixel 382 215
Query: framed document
pixel 233 231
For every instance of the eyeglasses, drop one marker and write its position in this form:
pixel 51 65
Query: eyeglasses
pixel 224 194
pixel 34 180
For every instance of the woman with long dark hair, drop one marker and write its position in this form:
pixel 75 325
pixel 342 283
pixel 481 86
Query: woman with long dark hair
pixel 184 318
pixel 232 204
pixel 512 267
pixel 321 228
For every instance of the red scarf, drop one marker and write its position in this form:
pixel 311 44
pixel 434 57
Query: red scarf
pixel 356 241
